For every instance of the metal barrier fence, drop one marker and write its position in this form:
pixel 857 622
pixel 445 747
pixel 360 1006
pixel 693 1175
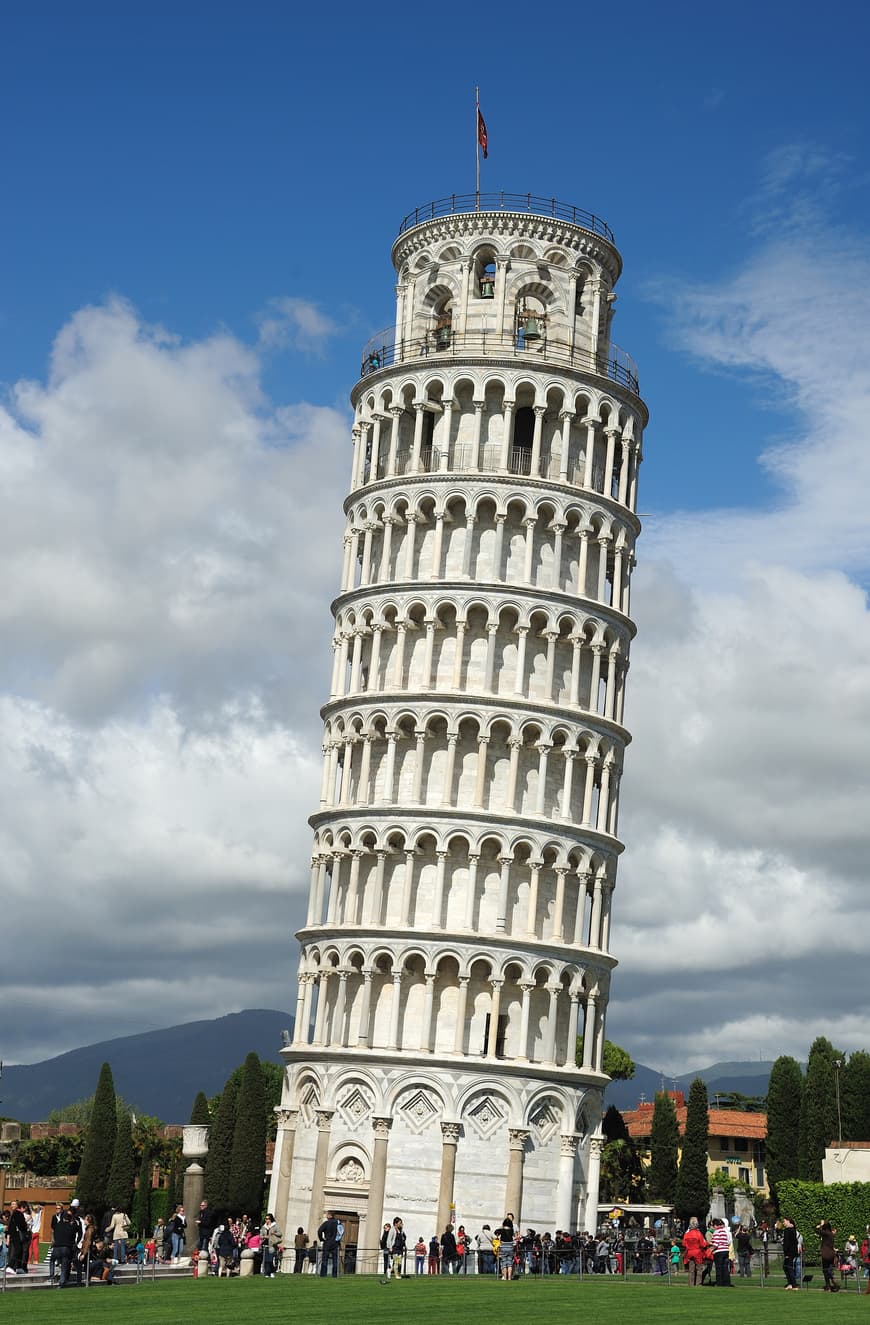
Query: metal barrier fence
pixel 525 203
pixel 529 1264
pixel 384 351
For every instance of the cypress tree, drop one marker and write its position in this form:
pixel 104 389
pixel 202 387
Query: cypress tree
pixel 784 1093
pixel 99 1147
pixel 220 1151
pixel 119 1190
pixel 199 1114
pixel 855 1097
pixel 664 1146
pixel 248 1161
pixel 818 1121
pixel 140 1216
pixel 692 1194
pixel 613 1125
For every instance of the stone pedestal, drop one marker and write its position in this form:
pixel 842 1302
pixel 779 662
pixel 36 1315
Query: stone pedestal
pixel 194 1147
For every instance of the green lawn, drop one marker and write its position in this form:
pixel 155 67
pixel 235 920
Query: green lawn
pixel 447 1301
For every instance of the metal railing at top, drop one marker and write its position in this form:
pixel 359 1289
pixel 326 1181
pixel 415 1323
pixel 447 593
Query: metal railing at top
pixel 528 203
pixel 384 351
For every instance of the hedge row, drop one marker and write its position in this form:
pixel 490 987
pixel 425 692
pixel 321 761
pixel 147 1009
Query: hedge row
pixel 845 1204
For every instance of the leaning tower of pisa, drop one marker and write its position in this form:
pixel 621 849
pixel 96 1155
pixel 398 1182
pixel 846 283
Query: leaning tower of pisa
pixel 465 848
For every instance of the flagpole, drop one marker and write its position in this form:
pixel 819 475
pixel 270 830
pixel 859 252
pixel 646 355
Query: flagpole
pixel 477 149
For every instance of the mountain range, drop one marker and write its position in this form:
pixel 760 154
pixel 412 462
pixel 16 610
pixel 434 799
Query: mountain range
pixel 744 1078
pixel 159 1072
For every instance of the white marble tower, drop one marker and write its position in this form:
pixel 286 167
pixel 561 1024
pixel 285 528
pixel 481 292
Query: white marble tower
pixel 466 844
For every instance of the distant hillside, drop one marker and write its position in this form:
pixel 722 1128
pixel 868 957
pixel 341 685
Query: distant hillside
pixel 749 1078
pixel 157 1072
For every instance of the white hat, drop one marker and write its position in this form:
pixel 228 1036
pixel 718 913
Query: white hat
pixel 74 1203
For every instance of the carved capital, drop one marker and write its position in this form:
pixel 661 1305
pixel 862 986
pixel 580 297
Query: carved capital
pixel 381 1127
pixel 450 1133
pixel 568 1145
pixel 517 1137
pixel 596 1146
pixel 324 1119
pixel 287 1118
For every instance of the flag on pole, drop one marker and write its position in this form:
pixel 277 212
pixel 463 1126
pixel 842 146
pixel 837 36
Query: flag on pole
pixel 481 133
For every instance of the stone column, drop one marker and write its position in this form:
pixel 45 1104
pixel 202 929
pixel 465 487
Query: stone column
pixel 526 986
pixel 194 1146
pixel 540 411
pixel 366 1008
pixel 395 1009
pixel 513 1199
pixel 285 1145
pixel 370 1262
pixel 582 563
pixel 479 406
pixel 456 680
pixel 321 1160
pixel 593 1174
pixel 459 1040
pixel 428 1008
pixel 565 1216
pixel 449 1142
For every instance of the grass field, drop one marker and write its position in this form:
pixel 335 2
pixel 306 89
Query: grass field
pixel 428 1302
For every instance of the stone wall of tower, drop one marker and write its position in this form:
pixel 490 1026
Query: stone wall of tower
pixel 465 848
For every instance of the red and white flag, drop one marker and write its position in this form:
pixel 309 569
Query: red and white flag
pixel 482 137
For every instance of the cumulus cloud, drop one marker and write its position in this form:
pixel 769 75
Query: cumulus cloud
pixel 299 323
pixel 738 921
pixel 171 540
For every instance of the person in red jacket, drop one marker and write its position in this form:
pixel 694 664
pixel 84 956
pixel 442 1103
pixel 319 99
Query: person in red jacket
pixel 694 1246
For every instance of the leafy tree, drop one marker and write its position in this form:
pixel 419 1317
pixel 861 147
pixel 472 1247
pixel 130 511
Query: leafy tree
pixel 174 1185
pixel 99 1146
pixel 622 1175
pixel 51 1156
pixel 618 1063
pixel 613 1125
pixel 622 1172
pixel 784 1092
pixel 855 1097
pixel 273 1081
pixel 199 1114
pixel 78 1113
pixel 140 1215
pixel 732 1099
pixel 664 1146
pixel 220 1150
pixel 691 1195
pixel 119 1192
pixel 248 1161
pixel 818 1120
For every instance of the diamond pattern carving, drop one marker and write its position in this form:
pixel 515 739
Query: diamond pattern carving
pixel 418 1110
pixel 355 1107
pixel 546 1119
pixel 308 1102
pixel 485 1116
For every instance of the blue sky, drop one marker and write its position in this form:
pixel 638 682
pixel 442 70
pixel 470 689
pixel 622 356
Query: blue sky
pixel 200 158
pixel 198 206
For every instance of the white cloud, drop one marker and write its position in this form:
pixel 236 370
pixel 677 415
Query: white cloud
pixel 746 792
pixel 170 545
pixel 288 321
